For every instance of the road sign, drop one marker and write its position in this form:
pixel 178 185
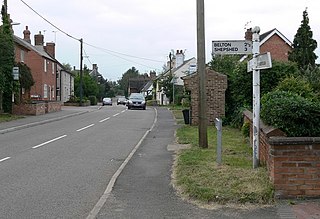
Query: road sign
pixel 263 62
pixel 15 73
pixel 231 47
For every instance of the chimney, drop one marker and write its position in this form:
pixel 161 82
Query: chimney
pixel 26 35
pixel 50 49
pixel 153 75
pixel 179 58
pixel 248 34
pixel 94 66
pixel 38 39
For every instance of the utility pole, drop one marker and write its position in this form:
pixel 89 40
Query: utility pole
pixel 203 137
pixel 81 59
pixel 170 63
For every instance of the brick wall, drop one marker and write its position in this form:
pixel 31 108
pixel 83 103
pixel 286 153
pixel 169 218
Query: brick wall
pixel 29 109
pixel 278 48
pixel 293 163
pixel 215 87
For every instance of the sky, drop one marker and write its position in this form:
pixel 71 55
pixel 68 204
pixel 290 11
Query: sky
pixel 121 34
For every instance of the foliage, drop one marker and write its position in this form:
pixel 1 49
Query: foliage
pixel 297 85
pixel 239 91
pixel 303 45
pixel 313 77
pixel 292 113
pixel 124 81
pixel 166 85
pixel 6 62
pixel 26 79
pixel 89 85
pixel 93 100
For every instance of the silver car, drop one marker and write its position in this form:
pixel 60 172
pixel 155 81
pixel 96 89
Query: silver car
pixel 107 101
pixel 136 100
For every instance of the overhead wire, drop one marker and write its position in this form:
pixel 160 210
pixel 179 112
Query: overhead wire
pixel 110 52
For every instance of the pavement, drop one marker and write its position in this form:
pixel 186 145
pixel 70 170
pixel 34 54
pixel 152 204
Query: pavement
pixel 283 209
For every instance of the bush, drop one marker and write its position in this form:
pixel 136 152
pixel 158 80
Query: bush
pixel 295 115
pixel 297 85
pixel 93 100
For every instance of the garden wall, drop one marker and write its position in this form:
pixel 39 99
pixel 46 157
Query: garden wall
pixel 293 163
pixel 36 108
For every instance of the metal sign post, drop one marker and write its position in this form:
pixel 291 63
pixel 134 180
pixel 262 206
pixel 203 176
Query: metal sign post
pixel 218 124
pixel 258 62
pixel 256 95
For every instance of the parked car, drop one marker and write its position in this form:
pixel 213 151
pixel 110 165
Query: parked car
pixel 136 100
pixel 107 101
pixel 122 100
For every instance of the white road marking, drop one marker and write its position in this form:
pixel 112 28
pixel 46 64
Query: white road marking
pixel 4 159
pixel 123 111
pixel 94 212
pixel 79 130
pixel 103 120
pixel 116 114
pixel 47 142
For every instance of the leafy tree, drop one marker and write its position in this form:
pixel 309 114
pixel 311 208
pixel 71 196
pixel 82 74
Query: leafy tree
pixel 303 45
pixel 89 85
pixel 6 62
pixel 26 80
pixel 124 81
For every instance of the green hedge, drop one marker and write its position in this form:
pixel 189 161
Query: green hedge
pixel 295 115
pixel 93 100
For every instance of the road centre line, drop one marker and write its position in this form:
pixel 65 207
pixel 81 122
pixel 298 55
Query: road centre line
pixel 103 120
pixel 117 114
pixel 7 158
pixel 47 142
pixel 79 130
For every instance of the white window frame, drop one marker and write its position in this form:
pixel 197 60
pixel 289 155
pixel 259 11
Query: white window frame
pixel 45 65
pixel 45 91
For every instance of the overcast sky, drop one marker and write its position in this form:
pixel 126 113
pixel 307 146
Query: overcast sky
pixel 119 34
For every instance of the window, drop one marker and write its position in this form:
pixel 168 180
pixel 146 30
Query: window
pixel 21 55
pixel 45 65
pixel 45 91
pixel 52 68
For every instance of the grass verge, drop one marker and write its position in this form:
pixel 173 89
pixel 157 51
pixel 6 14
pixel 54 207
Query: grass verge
pixel 4 117
pixel 198 176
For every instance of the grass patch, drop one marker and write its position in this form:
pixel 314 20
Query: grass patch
pixel 235 181
pixel 4 117
pixel 177 112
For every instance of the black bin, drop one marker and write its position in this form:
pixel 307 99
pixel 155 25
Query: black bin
pixel 186 116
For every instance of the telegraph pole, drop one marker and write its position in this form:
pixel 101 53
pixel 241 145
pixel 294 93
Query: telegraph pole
pixel 203 138
pixel 81 59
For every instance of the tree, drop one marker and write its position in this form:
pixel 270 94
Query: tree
pixel 124 81
pixel 303 45
pixel 6 61
pixel 26 80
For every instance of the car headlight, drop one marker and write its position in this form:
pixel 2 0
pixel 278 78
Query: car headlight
pixel 130 102
pixel 143 102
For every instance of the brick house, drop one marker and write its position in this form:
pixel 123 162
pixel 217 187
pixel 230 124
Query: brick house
pixel 273 41
pixel 40 59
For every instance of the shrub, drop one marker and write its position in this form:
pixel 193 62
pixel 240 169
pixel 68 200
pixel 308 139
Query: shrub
pixel 93 100
pixel 297 85
pixel 295 115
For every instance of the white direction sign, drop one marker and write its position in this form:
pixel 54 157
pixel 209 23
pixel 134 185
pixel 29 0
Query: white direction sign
pixel 231 47
pixel 263 62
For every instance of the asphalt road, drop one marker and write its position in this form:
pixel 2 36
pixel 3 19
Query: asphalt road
pixel 107 163
pixel 60 169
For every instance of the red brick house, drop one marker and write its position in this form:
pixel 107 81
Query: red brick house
pixel 273 41
pixel 40 59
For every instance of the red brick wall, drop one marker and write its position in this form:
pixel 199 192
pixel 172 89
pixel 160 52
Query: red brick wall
pixel 36 64
pixel 293 163
pixel 29 109
pixel 215 87
pixel 277 47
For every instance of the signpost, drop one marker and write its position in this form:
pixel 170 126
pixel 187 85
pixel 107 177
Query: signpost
pixel 258 62
pixel 231 47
